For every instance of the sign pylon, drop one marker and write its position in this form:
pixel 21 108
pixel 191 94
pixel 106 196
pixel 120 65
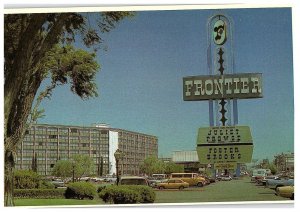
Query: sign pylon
pixel 224 144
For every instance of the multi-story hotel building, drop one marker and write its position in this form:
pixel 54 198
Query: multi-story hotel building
pixel 50 143
pixel 284 162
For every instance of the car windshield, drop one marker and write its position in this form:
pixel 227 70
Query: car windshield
pixel 133 182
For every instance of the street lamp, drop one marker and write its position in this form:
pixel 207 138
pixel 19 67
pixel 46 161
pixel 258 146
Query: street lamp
pixel 118 154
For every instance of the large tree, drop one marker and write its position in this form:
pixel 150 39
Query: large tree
pixel 37 46
pixel 79 165
pixel 152 165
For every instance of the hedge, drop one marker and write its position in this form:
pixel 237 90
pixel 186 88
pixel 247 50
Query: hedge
pixel 39 193
pixel 26 179
pixel 80 190
pixel 127 194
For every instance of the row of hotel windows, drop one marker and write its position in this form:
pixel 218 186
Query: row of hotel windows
pixel 66 130
pixel 62 157
pixel 56 136
pixel 77 144
pixel 75 151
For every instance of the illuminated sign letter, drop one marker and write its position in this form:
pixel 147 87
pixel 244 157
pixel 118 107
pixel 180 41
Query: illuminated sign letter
pixel 188 85
pixel 245 87
pixel 218 86
pixel 199 89
pixel 256 86
pixel 209 87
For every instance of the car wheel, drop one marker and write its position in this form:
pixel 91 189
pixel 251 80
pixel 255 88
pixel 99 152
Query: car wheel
pixel 160 188
pixel 200 184
pixel 181 188
pixel 292 197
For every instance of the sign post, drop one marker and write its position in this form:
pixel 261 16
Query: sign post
pixel 223 145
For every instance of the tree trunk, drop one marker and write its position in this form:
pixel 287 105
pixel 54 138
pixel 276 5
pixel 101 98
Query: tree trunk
pixel 8 178
pixel 15 129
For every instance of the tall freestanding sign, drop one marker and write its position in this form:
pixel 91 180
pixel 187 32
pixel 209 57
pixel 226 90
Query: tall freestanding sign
pixel 223 144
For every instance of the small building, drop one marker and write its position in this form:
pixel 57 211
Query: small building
pixel 189 159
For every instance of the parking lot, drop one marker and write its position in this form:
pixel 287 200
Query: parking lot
pixel 221 191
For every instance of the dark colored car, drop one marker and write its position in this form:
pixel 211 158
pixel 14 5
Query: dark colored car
pixel 134 180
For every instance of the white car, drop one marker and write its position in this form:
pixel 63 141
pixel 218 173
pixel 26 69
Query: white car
pixel 58 183
pixel 226 178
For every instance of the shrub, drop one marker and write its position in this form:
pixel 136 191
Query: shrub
pixel 39 193
pixel 80 190
pixel 147 194
pixel 127 194
pixel 26 179
pixel 100 188
pixel 119 195
pixel 46 185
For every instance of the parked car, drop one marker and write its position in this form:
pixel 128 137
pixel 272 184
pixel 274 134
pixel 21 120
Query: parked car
pixel 58 183
pixel 212 179
pixel 225 178
pixel 285 191
pixel 278 182
pixel 207 180
pixel 259 173
pixel 173 184
pixel 258 179
pixel 133 180
pixel 193 179
pixel 97 179
pixel 110 179
pixel 153 182
pixel 263 181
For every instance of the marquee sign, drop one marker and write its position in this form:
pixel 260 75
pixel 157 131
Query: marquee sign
pixel 230 86
pixel 226 144
pixel 226 134
pixel 225 153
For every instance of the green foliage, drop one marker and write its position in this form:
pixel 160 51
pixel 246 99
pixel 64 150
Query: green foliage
pixel 125 194
pixel 26 179
pixel 46 185
pixel 80 190
pixel 119 195
pixel 100 188
pixel 62 168
pixel 75 65
pixel 39 193
pixel 273 168
pixel 146 193
pixel 172 167
pixel 84 165
pixel 152 165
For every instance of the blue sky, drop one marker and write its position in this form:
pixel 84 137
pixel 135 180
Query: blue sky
pixel 140 81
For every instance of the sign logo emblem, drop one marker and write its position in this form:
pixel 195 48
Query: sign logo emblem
pixel 219 32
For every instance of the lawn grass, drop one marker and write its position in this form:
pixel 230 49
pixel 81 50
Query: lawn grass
pixel 48 202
